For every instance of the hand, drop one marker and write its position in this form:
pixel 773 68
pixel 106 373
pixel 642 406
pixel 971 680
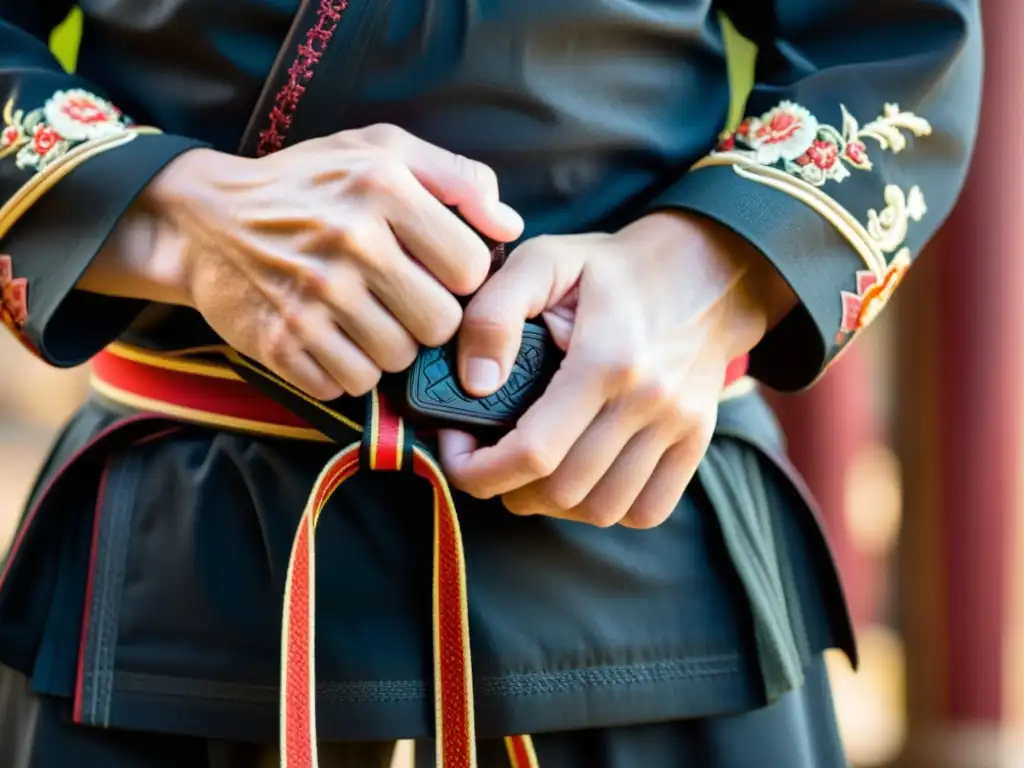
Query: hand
pixel 333 260
pixel 649 319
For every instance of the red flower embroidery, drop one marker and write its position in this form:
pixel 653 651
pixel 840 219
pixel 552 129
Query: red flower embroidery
pixel 857 154
pixel 860 309
pixel 16 300
pixel 13 295
pixel 44 139
pixel 14 303
pixel 824 154
pixel 83 108
pixel 782 127
pixel 790 138
pixel 10 136
pixel 783 133
pixel 726 142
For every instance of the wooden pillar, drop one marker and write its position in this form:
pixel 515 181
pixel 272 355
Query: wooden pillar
pixel 962 381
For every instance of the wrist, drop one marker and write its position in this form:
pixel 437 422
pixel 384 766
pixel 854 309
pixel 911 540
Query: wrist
pixel 171 200
pixel 749 294
pixel 140 260
pixel 146 256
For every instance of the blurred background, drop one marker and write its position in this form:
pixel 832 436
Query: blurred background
pixel 911 442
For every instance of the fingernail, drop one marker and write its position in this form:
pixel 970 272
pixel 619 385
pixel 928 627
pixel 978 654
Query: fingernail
pixel 507 216
pixel 483 374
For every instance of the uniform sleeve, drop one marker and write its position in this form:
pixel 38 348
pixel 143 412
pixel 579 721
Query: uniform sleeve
pixel 71 163
pixel 854 149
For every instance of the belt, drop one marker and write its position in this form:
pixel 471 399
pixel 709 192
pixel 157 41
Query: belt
pixel 217 387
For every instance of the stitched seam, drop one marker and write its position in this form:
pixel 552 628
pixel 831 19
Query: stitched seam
pixel 110 569
pixel 300 73
pixel 384 691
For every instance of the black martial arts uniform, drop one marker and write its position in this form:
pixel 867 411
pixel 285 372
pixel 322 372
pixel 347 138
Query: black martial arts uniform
pixel 143 593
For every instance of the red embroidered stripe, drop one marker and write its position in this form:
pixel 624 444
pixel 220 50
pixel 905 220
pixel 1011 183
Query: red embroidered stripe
pixel 300 73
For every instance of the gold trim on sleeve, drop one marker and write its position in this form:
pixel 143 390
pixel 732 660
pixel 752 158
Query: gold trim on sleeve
pixel 72 127
pixel 789 150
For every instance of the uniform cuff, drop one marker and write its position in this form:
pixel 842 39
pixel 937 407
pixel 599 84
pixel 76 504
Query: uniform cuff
pixel 53 243
pixel 818 204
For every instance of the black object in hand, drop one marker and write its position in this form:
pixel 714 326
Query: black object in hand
pixel 434 395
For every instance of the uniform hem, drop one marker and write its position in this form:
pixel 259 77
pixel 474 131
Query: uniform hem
pixel 577 699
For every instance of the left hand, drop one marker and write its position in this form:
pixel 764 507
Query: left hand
pixel 649 319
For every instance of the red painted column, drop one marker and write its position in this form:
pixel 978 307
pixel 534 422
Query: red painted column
pixel 981 382
pixel 967 400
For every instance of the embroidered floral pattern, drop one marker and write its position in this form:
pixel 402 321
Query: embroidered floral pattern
pixel 14 303
pixel 13 297
pixel 308 54
pixel 860 308
pixel 788 149
pixel 69 118
pixel 888 229
pixel 791 138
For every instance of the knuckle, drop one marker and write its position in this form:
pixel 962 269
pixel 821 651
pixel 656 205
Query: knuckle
pixel 656 394
pixel 357 237
pixel 474 489
pixel 472 272
pixel 363 383
pixel 325 390
pixel 482 176
pixel 604 516
pixel 385 135
pixel 468 484
pixel 534 248
pixel 380 175
pixel 621 372
pixel 515 504
pixel 399 357
pixel 647 517
pixel 440 329
pixel 537 459
pixel 561 496
pixel 313 281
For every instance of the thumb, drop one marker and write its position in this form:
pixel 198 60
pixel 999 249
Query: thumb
pixel 536 276
pixel 467 185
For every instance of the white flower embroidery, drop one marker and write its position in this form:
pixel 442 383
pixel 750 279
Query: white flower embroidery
pixel 69 118
pixel 783 133
pixel 78 115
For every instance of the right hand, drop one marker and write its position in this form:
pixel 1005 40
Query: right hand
pixel 334 259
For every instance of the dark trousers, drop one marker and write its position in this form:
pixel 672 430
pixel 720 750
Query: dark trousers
pixel 799 731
